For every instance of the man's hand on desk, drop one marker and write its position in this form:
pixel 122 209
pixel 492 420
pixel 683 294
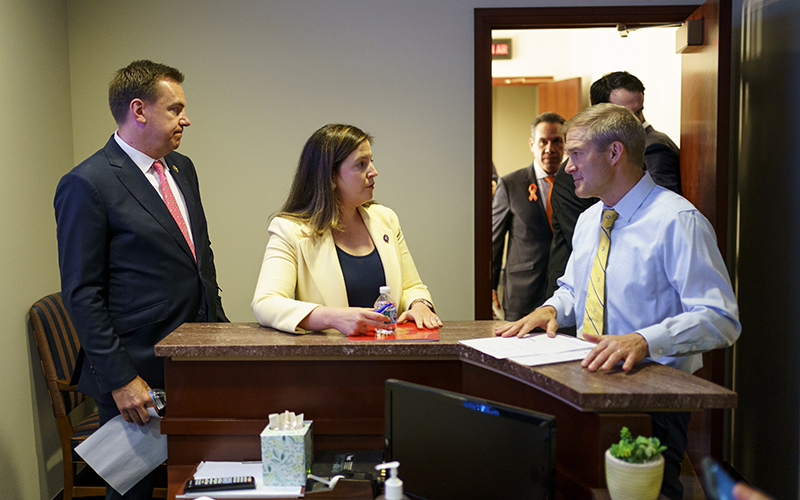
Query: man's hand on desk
pixel 611 349
pixel 132 400
pixel 543 317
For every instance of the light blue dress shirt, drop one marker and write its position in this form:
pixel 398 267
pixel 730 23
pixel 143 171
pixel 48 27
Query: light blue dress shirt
pixel 665 277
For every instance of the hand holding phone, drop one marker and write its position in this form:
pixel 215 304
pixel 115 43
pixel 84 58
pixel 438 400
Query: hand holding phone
pixel 718 483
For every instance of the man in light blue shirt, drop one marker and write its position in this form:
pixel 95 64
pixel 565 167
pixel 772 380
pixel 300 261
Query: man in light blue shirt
pixel 667 292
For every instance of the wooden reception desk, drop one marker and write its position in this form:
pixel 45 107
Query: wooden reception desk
pixel 223 379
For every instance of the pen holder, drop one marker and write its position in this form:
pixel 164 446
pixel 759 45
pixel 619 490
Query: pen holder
pixel 286 456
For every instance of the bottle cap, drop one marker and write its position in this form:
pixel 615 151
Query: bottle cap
pixel 385 290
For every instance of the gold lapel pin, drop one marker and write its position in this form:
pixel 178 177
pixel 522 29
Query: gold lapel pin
pixel 175 169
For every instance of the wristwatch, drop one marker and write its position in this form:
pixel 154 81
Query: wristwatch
pixel 424 301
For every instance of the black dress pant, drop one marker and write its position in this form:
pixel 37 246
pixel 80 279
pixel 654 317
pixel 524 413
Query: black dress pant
pixel 671 429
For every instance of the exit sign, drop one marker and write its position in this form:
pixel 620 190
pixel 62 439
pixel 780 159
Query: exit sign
pixel 501 48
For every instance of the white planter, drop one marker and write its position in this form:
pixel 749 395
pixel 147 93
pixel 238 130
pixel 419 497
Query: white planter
pixel 628 481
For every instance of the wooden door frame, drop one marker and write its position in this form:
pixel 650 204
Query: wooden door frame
pixel 486 20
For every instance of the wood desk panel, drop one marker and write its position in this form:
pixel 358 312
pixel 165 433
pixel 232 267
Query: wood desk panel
pixel 235 398
pixel 223 380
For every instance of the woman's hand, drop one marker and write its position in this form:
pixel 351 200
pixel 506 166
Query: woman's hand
pixel 348 320
pixel 421 315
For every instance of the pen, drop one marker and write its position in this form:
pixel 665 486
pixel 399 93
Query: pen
pixel 385 307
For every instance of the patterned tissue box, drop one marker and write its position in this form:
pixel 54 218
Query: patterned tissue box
pixel 286 456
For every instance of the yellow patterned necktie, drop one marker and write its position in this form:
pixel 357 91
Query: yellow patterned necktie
pixel 593 321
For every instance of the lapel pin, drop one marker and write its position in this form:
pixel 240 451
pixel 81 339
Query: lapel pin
pixel 175 169
pixel 532 192
pixel 386 238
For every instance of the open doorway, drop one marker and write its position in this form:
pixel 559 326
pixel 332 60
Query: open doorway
pixel 705 124
pixel 580 57
pixel 705 138
pixel 551 70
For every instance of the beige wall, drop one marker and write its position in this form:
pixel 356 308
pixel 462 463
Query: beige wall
pixel 513 111
pixel 261 76
pixel 35 147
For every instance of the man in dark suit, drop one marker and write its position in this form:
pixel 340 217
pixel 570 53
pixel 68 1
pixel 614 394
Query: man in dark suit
pixel 566 209
pixel 661 155
pixel 133 247
pixel 661 160
pixel 521 208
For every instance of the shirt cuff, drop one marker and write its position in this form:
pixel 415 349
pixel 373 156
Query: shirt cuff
pixel 658 340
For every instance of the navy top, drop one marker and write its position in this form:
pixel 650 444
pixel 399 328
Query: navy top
pixel 363 277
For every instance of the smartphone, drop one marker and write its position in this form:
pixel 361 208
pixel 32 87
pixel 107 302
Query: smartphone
pixel 718 483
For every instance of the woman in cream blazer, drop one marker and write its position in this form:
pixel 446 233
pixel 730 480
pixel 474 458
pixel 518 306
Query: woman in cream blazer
pixel 301 286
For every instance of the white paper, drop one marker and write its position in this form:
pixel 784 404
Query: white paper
pixel 539 347
pixel 123 453
pixel 549 359
pixel 208 470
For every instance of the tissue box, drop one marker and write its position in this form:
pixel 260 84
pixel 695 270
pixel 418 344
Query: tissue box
pixel 286 456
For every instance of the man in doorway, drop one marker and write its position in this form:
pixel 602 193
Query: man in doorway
pixel 133 247
pixel 521 208
pixel 646 278
pixel 661 160
pixel 661 155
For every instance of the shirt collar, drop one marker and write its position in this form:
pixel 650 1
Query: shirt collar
pixel 539 171
pixel 141 160
pixel 634 198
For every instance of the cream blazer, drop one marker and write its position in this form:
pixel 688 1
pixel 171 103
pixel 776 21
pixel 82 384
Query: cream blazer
pixel 299 273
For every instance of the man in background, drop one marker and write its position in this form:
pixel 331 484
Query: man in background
pixel 661 155
pixel 661 160
pixel 521 208
pixel 133 247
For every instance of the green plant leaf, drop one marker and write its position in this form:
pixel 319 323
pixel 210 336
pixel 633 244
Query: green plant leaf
pixel 636 451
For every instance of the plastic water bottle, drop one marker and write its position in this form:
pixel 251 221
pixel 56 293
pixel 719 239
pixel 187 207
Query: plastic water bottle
pixel 388 307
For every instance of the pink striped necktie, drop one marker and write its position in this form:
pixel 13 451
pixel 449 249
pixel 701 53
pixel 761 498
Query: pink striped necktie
pixel 172 205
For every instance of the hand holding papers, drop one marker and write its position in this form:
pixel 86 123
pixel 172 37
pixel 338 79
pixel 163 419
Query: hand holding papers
pixel 123 453
pixel 533 350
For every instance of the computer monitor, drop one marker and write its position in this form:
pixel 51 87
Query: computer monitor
pixel 453 446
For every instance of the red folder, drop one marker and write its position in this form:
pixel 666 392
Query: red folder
pixel 404 331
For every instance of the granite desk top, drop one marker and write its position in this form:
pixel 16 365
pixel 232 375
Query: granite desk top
pixel 649 386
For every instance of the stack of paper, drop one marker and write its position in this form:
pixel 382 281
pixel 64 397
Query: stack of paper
pixel 533 350
pixel 123 453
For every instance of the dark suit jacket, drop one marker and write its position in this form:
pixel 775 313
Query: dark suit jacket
pixel 529 238
pixel 127 274
pixel 566 209
pixel 662 159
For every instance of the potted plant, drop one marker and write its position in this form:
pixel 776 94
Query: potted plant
pixel 634 467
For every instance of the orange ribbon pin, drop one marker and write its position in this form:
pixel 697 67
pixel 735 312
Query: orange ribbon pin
pixel 532 190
